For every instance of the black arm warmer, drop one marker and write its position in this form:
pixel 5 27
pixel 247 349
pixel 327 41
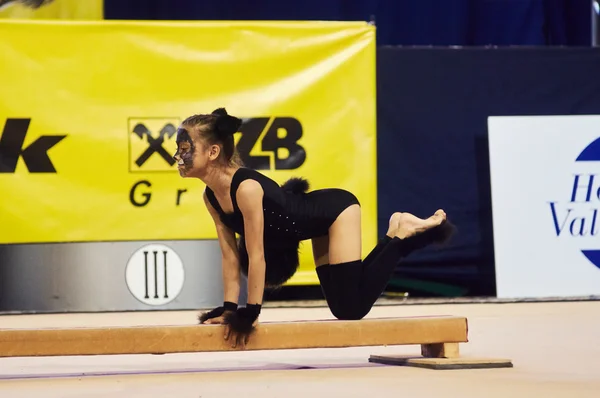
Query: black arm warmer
pixel 217 312
pixel 241 320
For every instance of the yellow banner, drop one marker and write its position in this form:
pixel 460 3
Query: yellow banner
pixel 52 9
pixel 90 111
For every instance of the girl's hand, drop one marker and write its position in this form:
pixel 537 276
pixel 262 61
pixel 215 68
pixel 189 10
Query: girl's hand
pixel 240 324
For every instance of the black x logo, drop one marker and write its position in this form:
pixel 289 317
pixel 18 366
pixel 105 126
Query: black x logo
pixel 154 144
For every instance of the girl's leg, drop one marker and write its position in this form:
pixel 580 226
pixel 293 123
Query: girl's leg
pixel 352 286
pixel 320 248
pixel 340 290
pixel 340 276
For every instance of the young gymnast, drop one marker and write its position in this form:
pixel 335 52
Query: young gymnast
pixel 271 220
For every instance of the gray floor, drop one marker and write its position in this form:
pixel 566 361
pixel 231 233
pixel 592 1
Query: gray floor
pixel 554 347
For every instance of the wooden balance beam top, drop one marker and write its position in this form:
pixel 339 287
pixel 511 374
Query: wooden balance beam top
pixel 430 332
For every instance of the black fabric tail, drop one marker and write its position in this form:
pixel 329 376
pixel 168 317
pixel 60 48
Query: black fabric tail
pixel 282 262
pixel 296 185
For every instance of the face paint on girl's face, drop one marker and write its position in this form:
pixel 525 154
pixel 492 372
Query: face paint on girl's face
pixel 185 151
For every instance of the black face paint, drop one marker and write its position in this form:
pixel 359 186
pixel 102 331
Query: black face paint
pixel 185 150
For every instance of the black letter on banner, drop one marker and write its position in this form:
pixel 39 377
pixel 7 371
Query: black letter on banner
pixel 35 155
pixel 146 194
pixel 272 143
pixel 251 130
pixel 179 193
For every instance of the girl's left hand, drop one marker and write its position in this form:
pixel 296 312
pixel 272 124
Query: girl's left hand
pixel 240 324
pixel 238 338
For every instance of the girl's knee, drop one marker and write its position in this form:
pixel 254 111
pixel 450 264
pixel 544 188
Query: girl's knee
pixel 350 309
pixel 349 312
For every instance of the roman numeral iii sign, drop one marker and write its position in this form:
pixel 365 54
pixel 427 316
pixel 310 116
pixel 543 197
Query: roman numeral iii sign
pixel 164 264
pixel 155 274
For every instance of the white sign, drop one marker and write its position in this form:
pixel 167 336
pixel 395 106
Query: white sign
pixel 545 180
pixel 155 274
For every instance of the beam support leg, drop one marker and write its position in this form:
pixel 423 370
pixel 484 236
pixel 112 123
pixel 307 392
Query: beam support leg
pixel 441 350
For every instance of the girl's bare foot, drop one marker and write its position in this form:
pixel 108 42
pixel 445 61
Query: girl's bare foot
pixel 408 224
pixel 394 224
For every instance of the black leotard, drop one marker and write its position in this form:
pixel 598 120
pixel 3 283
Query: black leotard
pixel 290 215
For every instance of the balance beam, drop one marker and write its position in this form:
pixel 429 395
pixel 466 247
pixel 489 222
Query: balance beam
pixel 438 337
pixel 209 338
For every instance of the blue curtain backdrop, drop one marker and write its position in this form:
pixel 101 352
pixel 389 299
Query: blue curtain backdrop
pixel 399 22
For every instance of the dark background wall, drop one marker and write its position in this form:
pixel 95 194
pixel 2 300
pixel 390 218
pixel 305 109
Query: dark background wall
pixel 432 110
pixel 399 22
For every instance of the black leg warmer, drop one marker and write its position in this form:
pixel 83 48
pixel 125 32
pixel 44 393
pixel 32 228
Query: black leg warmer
pixel 352 288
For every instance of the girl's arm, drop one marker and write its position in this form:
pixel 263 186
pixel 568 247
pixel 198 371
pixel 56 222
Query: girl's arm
pixel 249 198
pixel 229 256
